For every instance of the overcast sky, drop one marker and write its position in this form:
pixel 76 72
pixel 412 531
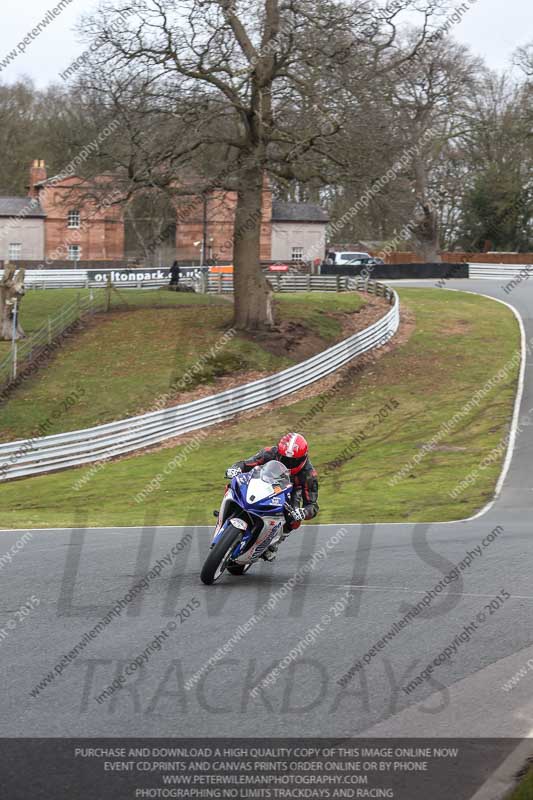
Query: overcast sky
pixel 492 28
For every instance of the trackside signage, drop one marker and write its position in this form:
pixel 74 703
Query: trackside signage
pixel 135 275
pixel 127 275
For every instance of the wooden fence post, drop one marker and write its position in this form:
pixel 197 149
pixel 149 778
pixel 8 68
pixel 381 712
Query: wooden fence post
pixel 108 293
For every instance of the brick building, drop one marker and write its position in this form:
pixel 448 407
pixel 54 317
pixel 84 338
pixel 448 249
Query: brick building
pixel 298 231
pixel 76 228
pixel 21 229
pixel 58 224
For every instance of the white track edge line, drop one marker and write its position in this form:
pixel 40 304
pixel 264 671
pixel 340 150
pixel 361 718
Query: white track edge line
pixel 517 404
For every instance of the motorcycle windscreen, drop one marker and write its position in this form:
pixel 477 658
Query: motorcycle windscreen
pixel 274 473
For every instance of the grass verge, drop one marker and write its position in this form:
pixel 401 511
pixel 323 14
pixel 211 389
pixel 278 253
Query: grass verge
pixel 38 304
pixel 123 361
pixel 525 790
pixel 369 431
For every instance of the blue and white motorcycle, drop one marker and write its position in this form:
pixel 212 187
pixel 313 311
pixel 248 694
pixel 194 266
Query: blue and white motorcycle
pixel 250 520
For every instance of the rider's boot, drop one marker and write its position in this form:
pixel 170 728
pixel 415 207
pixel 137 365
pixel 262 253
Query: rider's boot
pixel 270 553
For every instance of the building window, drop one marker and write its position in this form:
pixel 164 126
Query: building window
pixel 297 253
pixel 14 251
pixel 74 252
pixel 74 218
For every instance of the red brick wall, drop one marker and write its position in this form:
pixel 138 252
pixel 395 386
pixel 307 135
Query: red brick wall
pixel 266 227
pixel 101 232
pixel 37 174
pixel 220 226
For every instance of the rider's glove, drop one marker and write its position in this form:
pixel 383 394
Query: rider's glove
pixel 232 472
pixel 296 514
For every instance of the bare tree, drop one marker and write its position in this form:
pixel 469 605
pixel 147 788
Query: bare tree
pixel 262 86
pixel 47 124
pixel 430 95
pixel 150 227
pixel 524 59
pixel 496 153
pixel 11 293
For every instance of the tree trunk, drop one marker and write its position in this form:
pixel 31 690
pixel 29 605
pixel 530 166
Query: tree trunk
pixel 427 228
pixel 253 297
pixel 11 290
pixel 426 231
pixel 427 234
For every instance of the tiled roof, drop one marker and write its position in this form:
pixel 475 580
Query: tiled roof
pixel 23 207
pixel 298 212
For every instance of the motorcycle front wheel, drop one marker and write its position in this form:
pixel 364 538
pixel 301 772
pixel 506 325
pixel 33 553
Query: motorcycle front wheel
pixel 238 569
pixel 217 560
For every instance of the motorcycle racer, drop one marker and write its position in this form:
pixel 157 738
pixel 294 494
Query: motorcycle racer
pixel 292 451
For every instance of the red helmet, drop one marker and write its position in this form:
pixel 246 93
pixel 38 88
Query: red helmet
pixel 293 452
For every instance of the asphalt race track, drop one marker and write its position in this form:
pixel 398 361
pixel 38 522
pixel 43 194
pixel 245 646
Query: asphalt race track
pixel 378 571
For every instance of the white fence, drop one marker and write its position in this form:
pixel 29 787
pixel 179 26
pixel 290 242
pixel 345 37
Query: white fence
pixel 221 284
pixel 61 451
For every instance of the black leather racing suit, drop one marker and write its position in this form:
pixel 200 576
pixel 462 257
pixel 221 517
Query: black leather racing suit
pixel 305 483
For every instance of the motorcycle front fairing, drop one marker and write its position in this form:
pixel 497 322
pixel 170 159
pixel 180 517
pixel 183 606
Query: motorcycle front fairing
pixel 254 502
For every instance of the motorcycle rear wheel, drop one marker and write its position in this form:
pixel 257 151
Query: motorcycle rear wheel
pixel 216 562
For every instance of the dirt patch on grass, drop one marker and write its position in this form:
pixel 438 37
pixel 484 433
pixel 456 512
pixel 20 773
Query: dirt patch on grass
pixel 291 339
pixel 354 321
pixel 296 340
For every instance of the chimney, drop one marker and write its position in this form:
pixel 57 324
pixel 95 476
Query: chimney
pixel 37 174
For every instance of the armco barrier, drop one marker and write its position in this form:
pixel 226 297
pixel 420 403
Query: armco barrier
pixel 223 283
pixel 54 279
pixel 83 278
pixel 61 451
pixel 154 278
pixel 500 271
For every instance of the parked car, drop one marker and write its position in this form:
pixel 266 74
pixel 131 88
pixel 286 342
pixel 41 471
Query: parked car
pixel 367 262
pixel 345 257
